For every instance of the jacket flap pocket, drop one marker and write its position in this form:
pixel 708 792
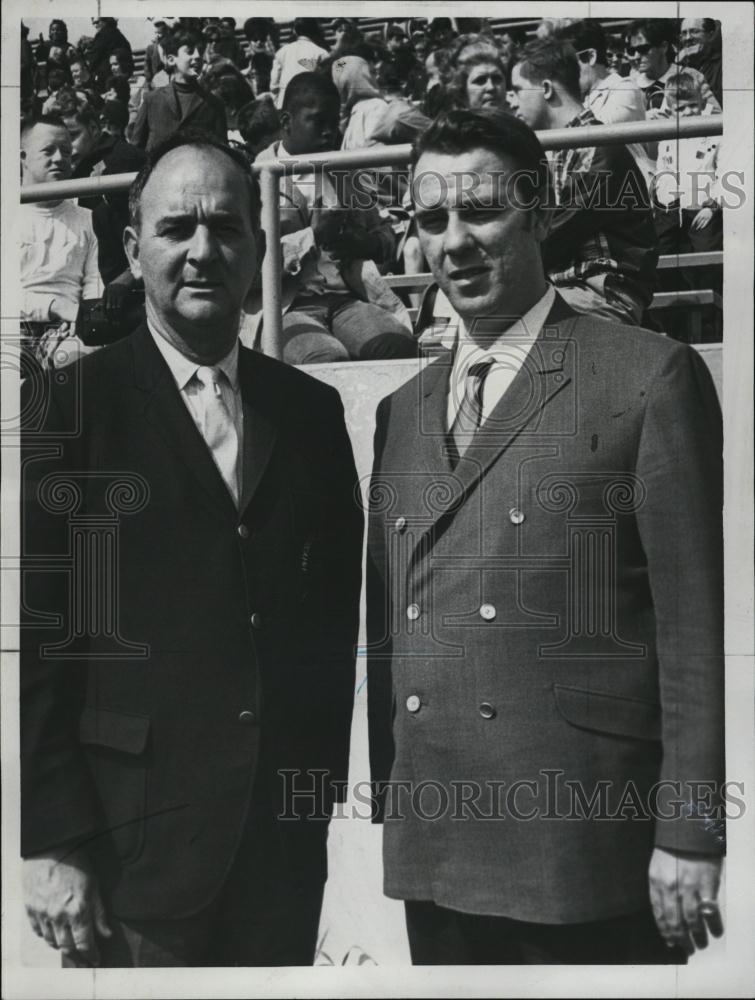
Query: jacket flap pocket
pixel 609 713
pixel 117 730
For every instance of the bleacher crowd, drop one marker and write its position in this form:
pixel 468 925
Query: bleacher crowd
pixel 276 90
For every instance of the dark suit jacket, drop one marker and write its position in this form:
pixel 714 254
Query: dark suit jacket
pixel 549 611
pixel 232 639
pixel 160 115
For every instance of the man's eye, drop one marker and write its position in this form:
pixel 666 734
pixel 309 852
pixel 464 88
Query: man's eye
pixel 432 223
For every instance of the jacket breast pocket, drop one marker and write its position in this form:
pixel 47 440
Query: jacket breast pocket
pixel 117 746
pixel 602 712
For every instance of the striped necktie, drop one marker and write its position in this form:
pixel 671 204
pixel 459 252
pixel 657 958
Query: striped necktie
pixel 469 414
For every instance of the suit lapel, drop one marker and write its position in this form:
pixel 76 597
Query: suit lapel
pixel 166 411
pixel 261 407
pixel 432 435
pixel 543 377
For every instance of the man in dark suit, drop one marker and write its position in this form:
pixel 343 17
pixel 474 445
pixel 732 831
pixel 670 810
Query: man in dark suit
pixel 544 601
pixel 190 594
pixel 183 103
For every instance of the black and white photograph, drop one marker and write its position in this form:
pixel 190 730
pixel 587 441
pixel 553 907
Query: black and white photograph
pixel 377 582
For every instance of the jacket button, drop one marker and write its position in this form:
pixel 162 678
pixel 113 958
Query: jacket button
pixel 256 620
pixel 412 612
pixel 487 711
pixel 488 612
pixel 247 718
pixel 413 703
pixel 400 524
pixel 243 531
pixel 516 516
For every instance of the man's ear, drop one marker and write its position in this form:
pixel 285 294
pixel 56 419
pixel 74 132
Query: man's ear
pixel 131 246
pixel 284 118
pixel 548 89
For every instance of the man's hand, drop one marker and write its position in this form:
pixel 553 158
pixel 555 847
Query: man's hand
pixel 680 884
pixel 64 903
pixel 116 294
pixel 702 219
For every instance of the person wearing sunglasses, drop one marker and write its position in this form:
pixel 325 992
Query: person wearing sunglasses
pixel 649 47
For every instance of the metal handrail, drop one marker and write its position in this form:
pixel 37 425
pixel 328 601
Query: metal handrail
pixel 376 156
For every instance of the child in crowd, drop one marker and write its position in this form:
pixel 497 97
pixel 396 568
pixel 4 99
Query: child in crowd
pixel 183 103
pixel 686 189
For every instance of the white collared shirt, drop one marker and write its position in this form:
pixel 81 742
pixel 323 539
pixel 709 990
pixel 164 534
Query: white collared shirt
pixel 508 354
pixel 183 371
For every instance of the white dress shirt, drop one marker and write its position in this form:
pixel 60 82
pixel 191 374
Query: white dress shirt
pixel 508 354
pixel 184 371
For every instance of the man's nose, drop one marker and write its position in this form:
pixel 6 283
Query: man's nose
pixel 202 246
pixel 457 236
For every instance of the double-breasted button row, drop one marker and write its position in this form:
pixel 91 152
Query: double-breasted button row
pixel 247 718
pixel 255 619
pixel 242 531
pixel 486 709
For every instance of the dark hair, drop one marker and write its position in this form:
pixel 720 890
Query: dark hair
pixel 549 59
pixel 121 87
pixel 56 78
pixel 257 29
pixel 63 25
pixel 387 76
pixel 257 119
pixel 125 58
pixel 499 132
pixel 517 35
pixel 586 34
pixel 684 86
pixel 229 20
pixel 305 87
pixel 181 36
pixel 84 116
pixel 114 113
pixel 396 31
pixel 199 139
pixel 309 26
pixel 66 102
pixel 657 30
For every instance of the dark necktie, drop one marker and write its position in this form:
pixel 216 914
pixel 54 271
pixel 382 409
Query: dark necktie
pixel 469 414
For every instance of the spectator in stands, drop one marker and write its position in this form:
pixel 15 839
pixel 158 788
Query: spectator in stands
pixel 440 33
pixel 183 102
pixel 686 189
pixel 121 63
pixel 57 82
pixel 616 60
pixel 396 40
pixel 261 36
pixel 28 69
pixel 153 56
pixel 108 39
pixel 362 103
pixel 400 121
pixel 649 46
pixel 259 125
pixel 476 74
pixel 435 92
pixel 58 249
pixel 700 48
pixel 610 97
pixel 117 88
pixel 300 56
pixel 511 40
pixel 347 36
pixel 228 47
pixel 82 82
pixel 84 131
pixel 57 42
pixel 225 81
pixel 336 304
pixel 601 249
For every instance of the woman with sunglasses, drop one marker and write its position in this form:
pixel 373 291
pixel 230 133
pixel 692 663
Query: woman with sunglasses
pixel 649 47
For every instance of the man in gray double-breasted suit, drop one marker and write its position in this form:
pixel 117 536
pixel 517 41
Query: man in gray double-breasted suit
pixel 544 602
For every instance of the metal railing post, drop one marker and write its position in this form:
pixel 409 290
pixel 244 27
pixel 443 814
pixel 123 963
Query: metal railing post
pixel 272 316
